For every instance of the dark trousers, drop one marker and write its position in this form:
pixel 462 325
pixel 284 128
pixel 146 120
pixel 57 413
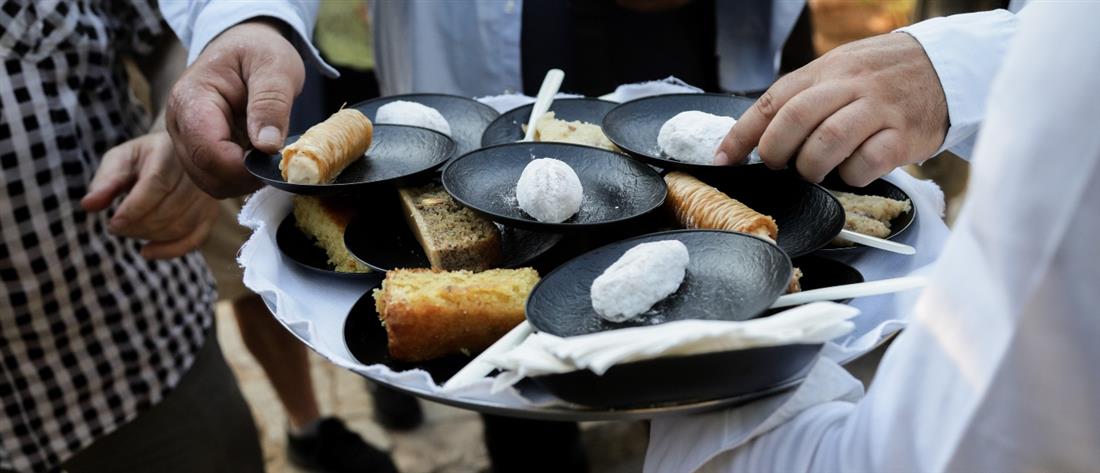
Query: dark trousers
pixel 203 425
pixel 533 446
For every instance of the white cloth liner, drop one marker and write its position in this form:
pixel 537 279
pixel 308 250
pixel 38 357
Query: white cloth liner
pixel 314 307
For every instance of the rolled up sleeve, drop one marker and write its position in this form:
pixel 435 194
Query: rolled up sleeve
pixel 198 22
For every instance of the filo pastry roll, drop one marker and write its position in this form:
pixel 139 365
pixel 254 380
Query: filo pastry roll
pixel 698 205
pixel 324 150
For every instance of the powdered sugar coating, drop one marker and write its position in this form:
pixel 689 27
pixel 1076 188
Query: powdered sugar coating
pixel 549 190
pixel 640 278
pixel 693 136
pixel 402 112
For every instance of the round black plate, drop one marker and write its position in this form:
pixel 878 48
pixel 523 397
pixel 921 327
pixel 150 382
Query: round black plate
pixel 880 187
pixel 300 249
pixel 633 126
pixel 366 340
pixel 397 155
pixel 684 379
pixel 467 117
pixel 819 272
pixel 382 240
pixel 731 276
pixel 707 376
pixel 807 215
pixel 508 127
pixel 616 189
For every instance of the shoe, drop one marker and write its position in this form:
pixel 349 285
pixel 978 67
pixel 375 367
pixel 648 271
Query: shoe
pixel 328 446
pixel 394 409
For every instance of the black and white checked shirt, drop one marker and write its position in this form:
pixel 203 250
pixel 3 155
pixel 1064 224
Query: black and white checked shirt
pixel 91 334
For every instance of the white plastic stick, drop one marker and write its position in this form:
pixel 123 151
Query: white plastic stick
pixel 879 243
pixel 477 369
pixel 847 291
pixel 550 85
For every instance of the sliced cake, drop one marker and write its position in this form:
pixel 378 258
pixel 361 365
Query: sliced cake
pixel 429 314
pixel 454 237
pixel 325 220
pixel 549 128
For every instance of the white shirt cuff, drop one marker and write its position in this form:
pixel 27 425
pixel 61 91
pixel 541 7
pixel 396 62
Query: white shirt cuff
pixel 216 17
pixel 966 51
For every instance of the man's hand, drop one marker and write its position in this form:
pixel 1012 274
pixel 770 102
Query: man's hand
pixel 866 107
pixel 237 93
pixel 163 205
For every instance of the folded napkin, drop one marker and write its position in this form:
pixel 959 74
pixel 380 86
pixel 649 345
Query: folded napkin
pixel 543 353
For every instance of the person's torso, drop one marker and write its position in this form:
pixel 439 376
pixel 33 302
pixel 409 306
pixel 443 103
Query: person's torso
pixel 90 332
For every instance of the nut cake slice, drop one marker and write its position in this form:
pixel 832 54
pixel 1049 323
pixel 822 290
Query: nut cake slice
pixel 454 237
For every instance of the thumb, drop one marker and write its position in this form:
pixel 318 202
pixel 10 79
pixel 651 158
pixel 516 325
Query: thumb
pixel 272 86
pixel 114 175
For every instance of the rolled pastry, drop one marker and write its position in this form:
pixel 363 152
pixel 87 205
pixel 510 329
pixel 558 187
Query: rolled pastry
pixel 697 205
pixel 325 149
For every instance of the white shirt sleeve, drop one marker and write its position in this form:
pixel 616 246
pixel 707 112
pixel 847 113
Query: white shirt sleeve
pixel 966 51
pixel 197 22
pixel 997 371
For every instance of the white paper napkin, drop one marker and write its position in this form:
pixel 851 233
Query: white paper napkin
pixel 668 85
pixel 543 353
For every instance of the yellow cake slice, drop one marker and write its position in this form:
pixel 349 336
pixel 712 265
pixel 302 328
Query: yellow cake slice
pixel 549 128
pixel 429 314
pixel 324 220
pixel 454 237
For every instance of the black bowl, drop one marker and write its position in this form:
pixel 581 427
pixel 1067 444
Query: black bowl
pixel 684 379
pixel 381 239
pixel 616 188
pixel 366 340
pixel 300 249
pixel 820 272
pixel 731 276
pixel 879 187
pixel 397 155
pixel 807 215
pixel 467 117
pixel 508 127
pixel 633 126
pixel 707 376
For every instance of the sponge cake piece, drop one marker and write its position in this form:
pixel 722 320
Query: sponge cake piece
pixel 549 128
pixel 324 221
pixel 429 314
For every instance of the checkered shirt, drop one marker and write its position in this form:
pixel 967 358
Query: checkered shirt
pixel 91 334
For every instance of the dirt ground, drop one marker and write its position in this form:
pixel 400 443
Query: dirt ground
pixel 449 441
